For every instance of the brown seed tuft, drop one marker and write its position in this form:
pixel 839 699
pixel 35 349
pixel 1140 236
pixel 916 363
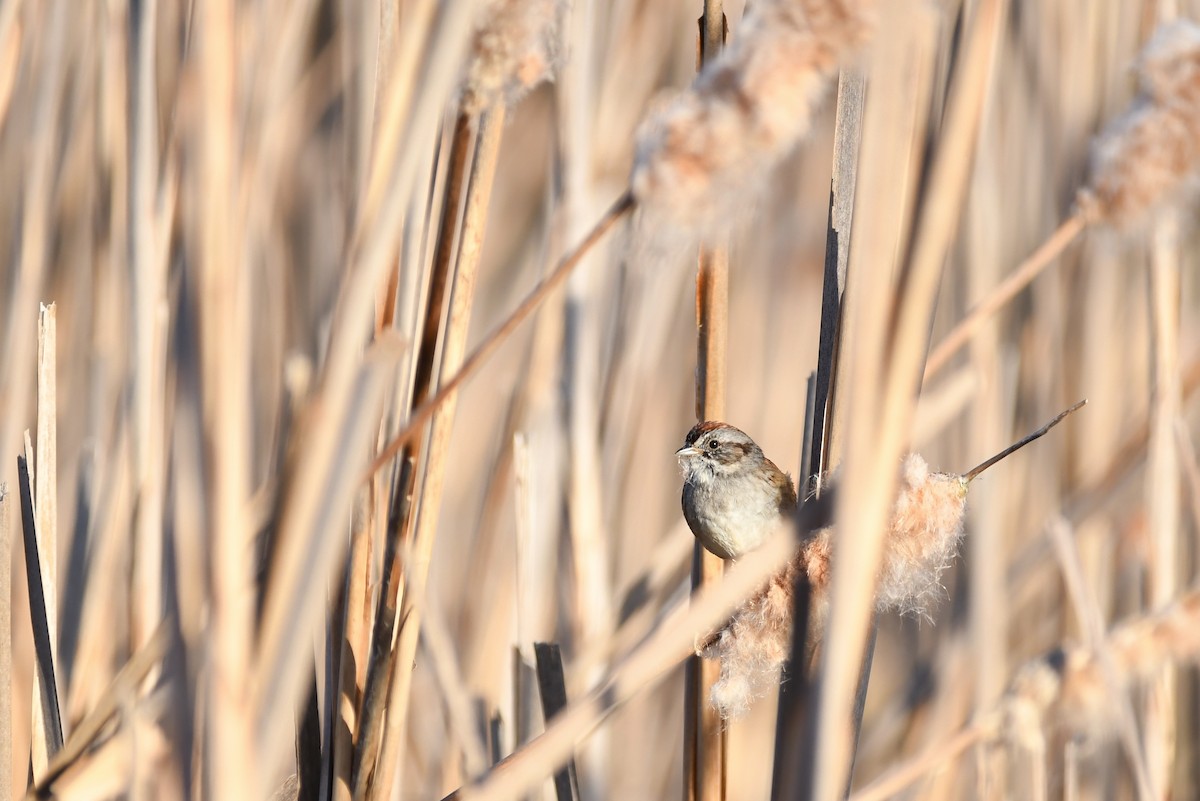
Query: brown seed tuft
pixel 700 155
pixel 1149 155
pixel 516 46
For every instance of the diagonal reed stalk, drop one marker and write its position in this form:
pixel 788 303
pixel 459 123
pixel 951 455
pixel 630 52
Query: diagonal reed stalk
pixel 704 734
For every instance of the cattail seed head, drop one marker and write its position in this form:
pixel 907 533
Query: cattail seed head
pixel 1150 154
pixel 516 46
pixel 700 155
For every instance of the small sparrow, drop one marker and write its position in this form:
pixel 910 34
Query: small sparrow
pixel 733 495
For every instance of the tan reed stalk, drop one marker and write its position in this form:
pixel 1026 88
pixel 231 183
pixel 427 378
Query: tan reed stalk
pixel 46 489
pixel 649 662
pixel 356 640
pixel 502 332
pixel 230 747
pixel 1191 468
pixel 705 749
pixel 411 104
pixel 46 506
pixel 872 451
pixel 826 411
pixel 904 775
pixel 6 660
pixel 1162 488
pixel 16 360
pixel 379 666
pixel 288 635
pixel 47 723
pixel 149 332
pixel 10 46
pixel 420 551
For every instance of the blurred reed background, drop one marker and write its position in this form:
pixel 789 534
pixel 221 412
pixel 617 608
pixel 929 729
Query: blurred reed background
pixel 272 233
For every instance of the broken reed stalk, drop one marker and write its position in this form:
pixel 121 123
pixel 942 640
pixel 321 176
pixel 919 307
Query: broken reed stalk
pixel 881 422
pixel 123 687
pixel 6 663
pixel 1009 288
pixel 552 687
pixel 47 721
pixel 46 507
pixel 419 552
pixel 704 741
pixel 620 208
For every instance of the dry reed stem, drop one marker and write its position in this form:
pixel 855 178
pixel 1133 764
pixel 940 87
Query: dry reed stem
pixel 516 46
pixel 46 479
pixel 291 612
pixel 998 298
pixel 704 742
pixel 355 647
pixel 702 154
pixel 413 98
pixel 149 331
pixel 420 551
pixel 870 452
pixel 47 722
pixel 6 662
pixel 665 648
pixel 124 685
pixel 902 776
pixel 16 359
pixel 1162 484
pixel 498 335
pixel 230 747
pixel 380 668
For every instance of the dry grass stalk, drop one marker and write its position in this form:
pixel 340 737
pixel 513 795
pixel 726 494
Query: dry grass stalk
pixel 46 489
pixel 1150 154
pixel 47 722
pixel 702 154
pixel 516 46
pixel 885 376
pixel 465 262
pixel 704 744
pixel 6 660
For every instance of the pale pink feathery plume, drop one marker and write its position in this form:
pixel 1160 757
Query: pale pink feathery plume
pixel 1150 154
pixel 516 46
pixel 699 155
pixel 924 532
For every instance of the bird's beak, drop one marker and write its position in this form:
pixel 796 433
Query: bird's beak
pixel 687 451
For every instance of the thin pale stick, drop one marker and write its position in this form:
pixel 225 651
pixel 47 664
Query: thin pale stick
pixel 1020 278
pixel 971 474
pixel 488 346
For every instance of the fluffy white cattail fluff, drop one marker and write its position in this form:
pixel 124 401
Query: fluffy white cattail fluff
pixel 516 46
pixel 1071 689
pixel 1150 154
pixel 923 533
pixel 699 155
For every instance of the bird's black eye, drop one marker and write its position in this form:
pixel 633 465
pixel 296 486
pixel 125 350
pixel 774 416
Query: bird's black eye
pixel 713 444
